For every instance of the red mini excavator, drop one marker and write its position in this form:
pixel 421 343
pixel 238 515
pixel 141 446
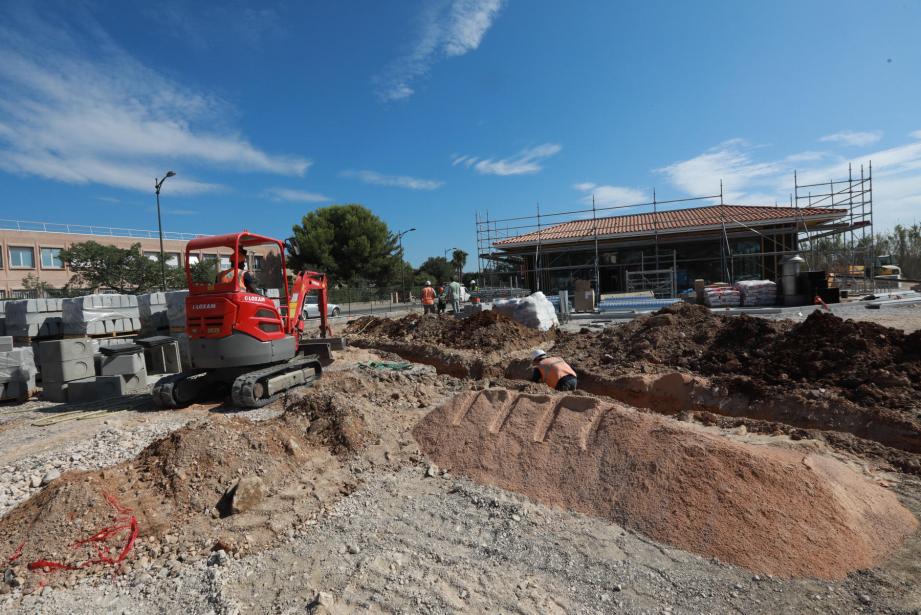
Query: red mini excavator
pixel 244 342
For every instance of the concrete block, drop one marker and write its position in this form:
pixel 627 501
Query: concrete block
pixel 83 390
pixel 175 308
pixel 54 351
pixel 54 391
pixel 163 359
pixel 6 343
pixel 120 364
pixel 66 371
pixel 133 384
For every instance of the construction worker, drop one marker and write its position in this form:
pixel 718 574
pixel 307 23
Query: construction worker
pixel 442 304
pixel 454 294
pixel 428 298
pixel 554 371
pixel 474 292
pixel 245 280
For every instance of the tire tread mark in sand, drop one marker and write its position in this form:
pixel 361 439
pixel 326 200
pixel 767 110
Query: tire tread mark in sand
pixel 591 427
pixel 502 415
pixel 546 421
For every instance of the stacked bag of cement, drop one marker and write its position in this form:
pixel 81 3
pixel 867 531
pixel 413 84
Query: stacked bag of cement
pixel 33 317
pixel 534 311
pixel 152 310
pixel 722 296
pixel 101 314
pixel 65 362
pixel 757 292
pixel 17 371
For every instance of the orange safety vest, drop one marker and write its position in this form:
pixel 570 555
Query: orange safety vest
pixel 553 369
pixel 428 296
pixel 225 277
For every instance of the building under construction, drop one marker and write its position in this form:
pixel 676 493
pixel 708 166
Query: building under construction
pixel 664 246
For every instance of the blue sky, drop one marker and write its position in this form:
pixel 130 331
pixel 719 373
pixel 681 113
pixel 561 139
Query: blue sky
pixel 429 111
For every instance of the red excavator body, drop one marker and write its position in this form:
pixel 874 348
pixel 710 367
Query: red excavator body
pixel 253 343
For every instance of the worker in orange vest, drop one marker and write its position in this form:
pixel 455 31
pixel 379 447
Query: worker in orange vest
pixel 428 298
pixel 245 280
pixel 554 371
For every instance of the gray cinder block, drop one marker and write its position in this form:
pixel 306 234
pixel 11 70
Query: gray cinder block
pixel 121 364
pixel 6 343
pixel 54 351
pixel 83 390
pixel 54 391
pixel 65 371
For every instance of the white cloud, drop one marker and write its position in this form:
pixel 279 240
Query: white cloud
pixel 606 196
pixel 398 181
pixel 76 108
pixel 753 181
pixel 525 162
pixel 854 138
pixel 295 196
pixel 447 28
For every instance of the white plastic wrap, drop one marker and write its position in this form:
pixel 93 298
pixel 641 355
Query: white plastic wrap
pixel 757 292
pixel 534 311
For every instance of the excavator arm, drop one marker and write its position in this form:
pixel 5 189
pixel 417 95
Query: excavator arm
pixel 308 282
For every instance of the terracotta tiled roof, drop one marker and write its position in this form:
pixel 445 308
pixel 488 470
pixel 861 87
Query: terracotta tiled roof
pixel 701 218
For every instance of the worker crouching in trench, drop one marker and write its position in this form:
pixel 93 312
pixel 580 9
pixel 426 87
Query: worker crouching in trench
pixel 553 371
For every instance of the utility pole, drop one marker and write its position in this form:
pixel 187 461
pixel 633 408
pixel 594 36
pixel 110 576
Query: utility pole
pixel 158 183
pixel 402 268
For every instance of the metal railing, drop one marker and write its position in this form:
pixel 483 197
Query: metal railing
pixel 85 229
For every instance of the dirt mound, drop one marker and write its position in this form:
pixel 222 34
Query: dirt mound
pixel 863 362
pixel 333 422
pixel 769 509
pixel 177 489
pixel 486 331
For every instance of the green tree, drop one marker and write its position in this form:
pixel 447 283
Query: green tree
pixel 436 269
pixel 33 282
pixel 348 243
pixel 458 261
pixel 124 270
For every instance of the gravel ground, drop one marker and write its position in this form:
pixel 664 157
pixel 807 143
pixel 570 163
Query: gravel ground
pixel 408 543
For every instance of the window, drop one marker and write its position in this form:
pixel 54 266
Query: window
pixel 154 256
pixel 51 258
pixel 258 262
pixel 172 259
pixel 1 259
pixel 225 263
pixel 22 258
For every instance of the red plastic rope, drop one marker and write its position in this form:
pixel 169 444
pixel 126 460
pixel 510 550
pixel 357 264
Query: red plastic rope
pixel 17 553
pixel 125 521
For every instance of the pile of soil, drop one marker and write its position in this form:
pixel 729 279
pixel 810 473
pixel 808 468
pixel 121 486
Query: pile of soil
pixel 865 363
pixel 772 510
pixel 177 489
pixel 486 331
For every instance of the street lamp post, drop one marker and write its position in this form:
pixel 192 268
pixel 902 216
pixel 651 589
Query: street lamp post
pixel 402 268
pixel 157 184
pixel 448 250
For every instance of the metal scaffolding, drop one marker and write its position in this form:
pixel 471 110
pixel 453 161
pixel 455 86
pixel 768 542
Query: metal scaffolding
pixel 549 262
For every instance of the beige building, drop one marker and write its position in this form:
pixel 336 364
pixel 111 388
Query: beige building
pixel 34 248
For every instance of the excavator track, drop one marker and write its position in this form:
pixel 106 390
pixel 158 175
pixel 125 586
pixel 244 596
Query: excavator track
pixel 179 390
pixel 254 389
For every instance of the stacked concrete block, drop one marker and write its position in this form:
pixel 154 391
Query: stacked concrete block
pixel 175 309
pixel 63 362
pixel 154 318
pixel 123 369
pixel 33 317
pixel 17 371
pixel 161 355
pixel 101 314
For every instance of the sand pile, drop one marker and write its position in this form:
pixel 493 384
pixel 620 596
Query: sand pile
pixel 486 331
pixel 769 509
pixel 863 362
pixel 177 489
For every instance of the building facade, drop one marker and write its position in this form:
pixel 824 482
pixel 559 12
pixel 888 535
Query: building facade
pixel 719 243
pixel 33 248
